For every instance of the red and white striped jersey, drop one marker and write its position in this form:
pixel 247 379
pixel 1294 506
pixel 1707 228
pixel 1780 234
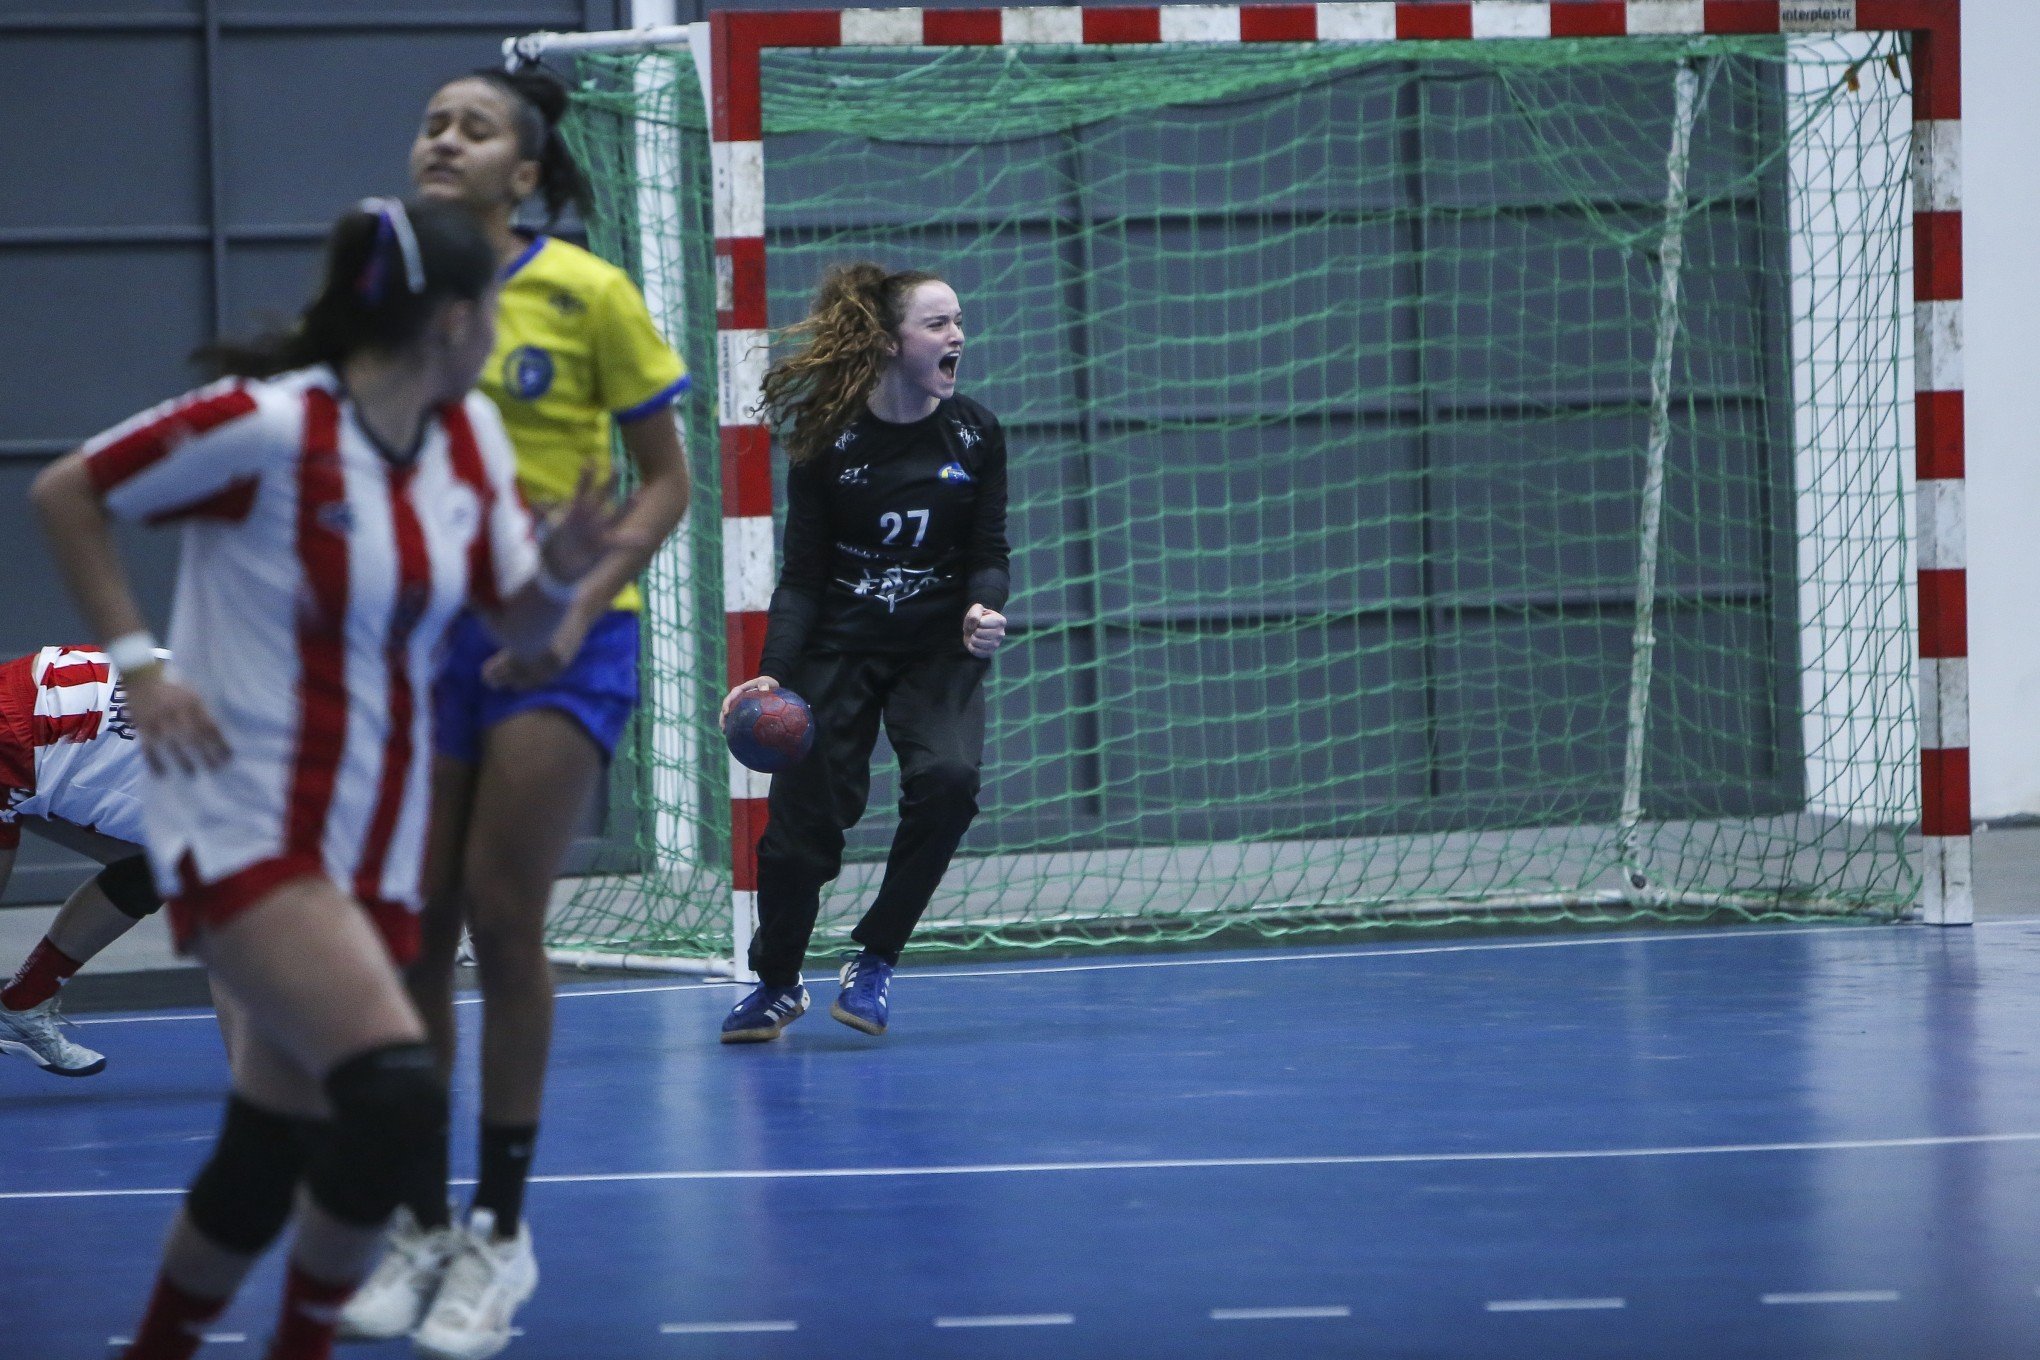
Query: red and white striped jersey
pixel 317 579
pixel 67 752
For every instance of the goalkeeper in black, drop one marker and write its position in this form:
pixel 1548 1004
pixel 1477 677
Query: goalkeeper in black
pixel 891 583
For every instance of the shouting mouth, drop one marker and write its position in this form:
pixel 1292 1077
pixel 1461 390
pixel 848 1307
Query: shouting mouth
pixel 948 363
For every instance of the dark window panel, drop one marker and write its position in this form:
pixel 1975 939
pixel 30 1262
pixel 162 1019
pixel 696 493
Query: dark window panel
pixel 1244 316
pixel 1314 516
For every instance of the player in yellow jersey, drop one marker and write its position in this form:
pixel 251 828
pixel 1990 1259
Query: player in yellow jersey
pixel 522 745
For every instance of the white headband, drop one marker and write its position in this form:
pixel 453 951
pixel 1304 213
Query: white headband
pixel 391 211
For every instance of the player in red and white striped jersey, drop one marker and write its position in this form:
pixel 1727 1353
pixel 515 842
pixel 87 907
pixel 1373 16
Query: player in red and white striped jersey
pixel 70 770
pixel 284 568
pixel 66 746
pixel 340 503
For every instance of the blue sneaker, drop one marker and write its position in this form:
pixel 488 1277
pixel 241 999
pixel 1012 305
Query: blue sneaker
pixel 763 1013
pixel 866 995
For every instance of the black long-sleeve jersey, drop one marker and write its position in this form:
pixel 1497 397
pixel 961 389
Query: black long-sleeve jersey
pixel 891 535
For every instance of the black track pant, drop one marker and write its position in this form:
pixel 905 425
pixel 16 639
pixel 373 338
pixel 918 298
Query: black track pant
pixel 934 712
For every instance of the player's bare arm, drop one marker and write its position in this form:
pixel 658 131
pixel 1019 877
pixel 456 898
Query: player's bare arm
pixel 176 730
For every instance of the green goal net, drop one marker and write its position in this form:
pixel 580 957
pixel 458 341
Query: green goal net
pixel 1449 479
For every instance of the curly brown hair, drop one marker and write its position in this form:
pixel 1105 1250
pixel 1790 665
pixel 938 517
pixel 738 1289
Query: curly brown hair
pixel 811 394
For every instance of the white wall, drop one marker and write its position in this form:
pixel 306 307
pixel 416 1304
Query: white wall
pixel 2001 354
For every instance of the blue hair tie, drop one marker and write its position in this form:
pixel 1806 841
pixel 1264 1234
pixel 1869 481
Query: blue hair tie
pixel 392 224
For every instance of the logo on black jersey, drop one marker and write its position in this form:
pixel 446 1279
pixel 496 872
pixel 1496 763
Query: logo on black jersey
pixel 894 586
pixel 954 472
pixel 854 476
pixel 527 372
pixel 968 434
pixel 845 439
pixel 566 304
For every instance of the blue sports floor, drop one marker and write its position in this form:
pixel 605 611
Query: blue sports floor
pixel 1737 1142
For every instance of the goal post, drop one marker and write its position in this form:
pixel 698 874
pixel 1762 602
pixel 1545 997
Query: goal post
pixel 1469 458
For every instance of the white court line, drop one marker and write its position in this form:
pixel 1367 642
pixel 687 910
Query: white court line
pixel 721 1328
pixel 1554 1305
pixel 1836 1296
pixel 1302 954
pixel 1305 954
pixel 468 999
pixel 1276 1314
pixel 824 1173
pixel 1010 1320
pixel 137 1019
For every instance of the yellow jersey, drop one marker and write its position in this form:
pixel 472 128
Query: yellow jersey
pixel 576 351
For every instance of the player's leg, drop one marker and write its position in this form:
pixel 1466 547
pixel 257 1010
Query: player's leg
pixel 431 976
pixel 538 774
pixel 809 808
pixel 935 719
pixel 244 1194
pixel 393 1300
pixel 422 1238
pixel 318 1024
pixel 98 912
pixel 459 717
pixel 538 777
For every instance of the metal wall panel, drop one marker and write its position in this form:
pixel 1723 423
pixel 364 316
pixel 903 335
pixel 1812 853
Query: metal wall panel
pixel 109 154
pixel 275 87
pixel 108 328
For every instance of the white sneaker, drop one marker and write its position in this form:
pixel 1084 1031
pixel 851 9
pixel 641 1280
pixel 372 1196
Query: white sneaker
pixel 33 1034
pixel 391 1302
pixel 485 1281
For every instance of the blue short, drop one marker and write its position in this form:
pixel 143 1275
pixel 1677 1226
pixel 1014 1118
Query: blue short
pixel 598 690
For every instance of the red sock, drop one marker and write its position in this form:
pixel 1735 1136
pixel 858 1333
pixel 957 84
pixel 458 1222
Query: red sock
pixel 41 973
pixel 174 1325
pixel 311 1310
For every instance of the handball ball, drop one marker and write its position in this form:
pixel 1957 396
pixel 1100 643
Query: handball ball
pixel 770 730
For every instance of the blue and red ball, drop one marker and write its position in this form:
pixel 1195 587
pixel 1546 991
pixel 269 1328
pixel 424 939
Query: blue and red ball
pixel 770 730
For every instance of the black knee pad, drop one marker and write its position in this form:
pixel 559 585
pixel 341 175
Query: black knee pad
pixel 796 867
pixel 130 886
pixel 389 1111
pixel 242 1196
pixel 947 790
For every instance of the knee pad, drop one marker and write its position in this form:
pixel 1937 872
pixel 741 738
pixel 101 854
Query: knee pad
pixel 130 886
pixel 947 789
pixel 389 1117
pixel 798 866
pixel 242 1197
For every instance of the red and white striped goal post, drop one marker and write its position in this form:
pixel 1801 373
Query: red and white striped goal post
pixel 738 38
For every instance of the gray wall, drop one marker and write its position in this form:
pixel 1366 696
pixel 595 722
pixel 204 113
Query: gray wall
pixel 171 168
